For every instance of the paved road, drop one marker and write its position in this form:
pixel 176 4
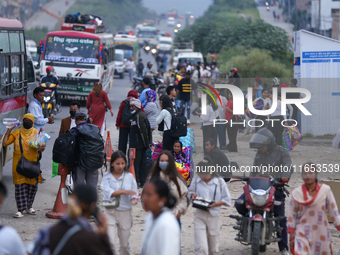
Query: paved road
pixel 268 17
pixel 29 225
pixel 42 19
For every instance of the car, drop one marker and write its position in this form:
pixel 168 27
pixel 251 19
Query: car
pixel 171 21
pixel 192 57
pixel 120 65
pixel 164 44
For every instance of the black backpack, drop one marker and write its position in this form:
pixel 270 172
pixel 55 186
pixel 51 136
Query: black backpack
pixel 69 18
pixel 178 124
pixel 126 114
pixel 64 149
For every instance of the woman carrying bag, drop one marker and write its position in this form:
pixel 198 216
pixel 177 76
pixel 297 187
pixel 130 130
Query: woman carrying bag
pixel 119 189
pixel 25 187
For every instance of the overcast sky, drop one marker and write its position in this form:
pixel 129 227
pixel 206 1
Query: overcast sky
pixel 197 7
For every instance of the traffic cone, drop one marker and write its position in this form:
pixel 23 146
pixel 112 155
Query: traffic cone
pixel 108 147
pixel 132 156
pixel 60 204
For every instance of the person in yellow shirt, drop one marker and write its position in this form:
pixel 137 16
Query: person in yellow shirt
pixel 25 188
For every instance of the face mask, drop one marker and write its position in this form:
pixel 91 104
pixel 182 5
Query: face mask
pixel 132 112
pixel 27 125
pixel 73 113
pixel 51 73
pixel 163 165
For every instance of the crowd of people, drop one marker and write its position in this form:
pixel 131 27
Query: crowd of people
pixel 164 194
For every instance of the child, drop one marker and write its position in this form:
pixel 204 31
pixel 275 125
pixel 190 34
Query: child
pixel 118 183
pixel 207 224
pixel 177 152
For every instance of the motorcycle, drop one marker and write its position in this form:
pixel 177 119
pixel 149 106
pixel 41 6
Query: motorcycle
pixel 259 227
pixel 49 104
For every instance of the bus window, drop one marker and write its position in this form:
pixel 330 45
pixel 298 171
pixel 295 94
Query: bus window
pixel 22 42
pixel 15 74
pixel 15 42
pixel 4 75
pixel 4 42
pixel 30 72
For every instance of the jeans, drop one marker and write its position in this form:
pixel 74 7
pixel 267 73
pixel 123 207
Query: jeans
pixel 130 74
pixel 140 74
pixel 123 138
pixel 279 210
pixel 221 130
pixel 185 104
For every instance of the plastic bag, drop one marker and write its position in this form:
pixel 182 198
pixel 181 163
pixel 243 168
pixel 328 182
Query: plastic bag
pixel 39 141
pixel 55 167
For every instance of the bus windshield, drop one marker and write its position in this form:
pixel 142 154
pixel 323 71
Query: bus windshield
pixel 119 57
pixel 72 49
pixel 146 34
pixel 191 60
pixel 34 55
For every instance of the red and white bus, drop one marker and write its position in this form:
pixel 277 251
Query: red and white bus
pixel 13 79
pixel 80 55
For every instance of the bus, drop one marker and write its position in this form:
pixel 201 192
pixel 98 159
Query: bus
pixel 13 79
pixel 147 34
pixel 128 43
pixel 80 55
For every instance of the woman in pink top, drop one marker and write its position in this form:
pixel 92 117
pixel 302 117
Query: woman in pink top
pixel 97 103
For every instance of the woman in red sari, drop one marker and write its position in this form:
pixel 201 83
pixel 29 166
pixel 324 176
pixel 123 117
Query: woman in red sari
pixel 97 103
pixel 308 228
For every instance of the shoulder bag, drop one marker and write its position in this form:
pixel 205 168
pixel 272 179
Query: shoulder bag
pixel 27 168
pixel 106 108
pixel 115 203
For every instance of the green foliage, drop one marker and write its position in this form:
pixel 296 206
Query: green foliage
pixel 116 13
pixel 37 34
pixel 254 62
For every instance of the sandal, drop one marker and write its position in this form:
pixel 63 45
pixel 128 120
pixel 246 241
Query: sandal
pixel 18 215
pixel 31 211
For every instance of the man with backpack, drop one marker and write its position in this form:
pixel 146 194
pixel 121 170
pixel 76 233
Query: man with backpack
pixel 140 139
pixel 140 67
pixel 123 121
pixel 90 151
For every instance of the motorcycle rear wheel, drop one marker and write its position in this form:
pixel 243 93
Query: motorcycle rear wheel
pixel 255 246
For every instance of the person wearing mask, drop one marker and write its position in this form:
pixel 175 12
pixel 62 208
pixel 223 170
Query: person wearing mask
pixel 118 184
pixel 221 127
pixel 97 104
pixel 140 138
pixel 10 241
pixel 52 78
pixel 232 128
pixel 207 224
pixel 35 109
pixel 308 208
pixel 129 67
pixel 88 138
pixel 262 103
pixel 258 85
pixel 164 120
pixel 70 122
pixel 140 67
pixel 166 169
pixel 124 129
pixel 146 85
pixel 235 77
pixel 171 92
pixel 209 131
pixel 147 70
pixel 184 88
pixel 177 152
pixel 270 154
pixel 217 156
pixel 294 95
pixel 150 108
pixel 161 227
pixel 25 188
pixel 275 126
pixel 80 236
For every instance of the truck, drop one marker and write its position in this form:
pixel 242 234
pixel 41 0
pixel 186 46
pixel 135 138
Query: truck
pixel 178 47
pixel 172 13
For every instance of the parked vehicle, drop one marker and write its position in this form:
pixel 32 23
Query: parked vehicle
pixel 259 227
pixel 120 65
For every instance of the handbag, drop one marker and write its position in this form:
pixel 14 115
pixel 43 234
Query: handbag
pixel 115 203
pixel 203 203
pixel 106 108
pixel 27 168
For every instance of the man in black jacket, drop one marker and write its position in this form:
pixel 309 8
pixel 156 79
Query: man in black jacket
pixel 218 158
pixel 90 154
pixel 140 138
pixel 270 154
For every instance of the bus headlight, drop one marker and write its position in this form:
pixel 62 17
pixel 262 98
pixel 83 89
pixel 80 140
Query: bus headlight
pixel 91 83
pixel 87 83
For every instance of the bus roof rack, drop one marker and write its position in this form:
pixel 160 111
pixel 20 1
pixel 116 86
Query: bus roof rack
pixel 83 27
